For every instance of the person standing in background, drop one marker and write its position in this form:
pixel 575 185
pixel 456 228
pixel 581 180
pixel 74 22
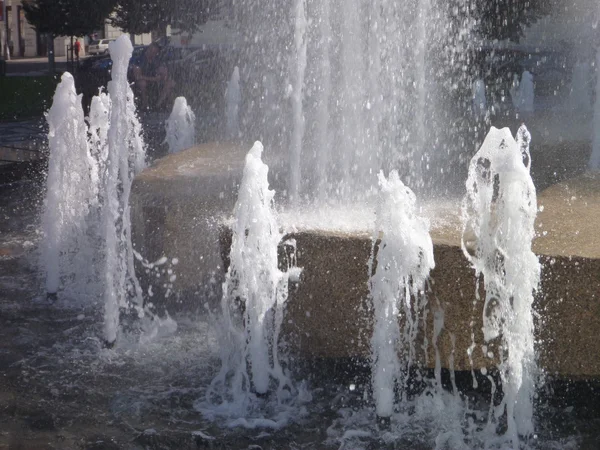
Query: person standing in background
pixel 77 48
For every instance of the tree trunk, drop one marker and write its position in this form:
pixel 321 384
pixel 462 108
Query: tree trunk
pixel 51 62
pixel 132 38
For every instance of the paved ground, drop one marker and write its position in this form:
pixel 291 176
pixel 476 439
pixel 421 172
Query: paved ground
pixel 33 66
pixel 22 141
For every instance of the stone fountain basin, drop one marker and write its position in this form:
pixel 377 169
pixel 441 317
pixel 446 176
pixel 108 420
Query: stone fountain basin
pixel 180 207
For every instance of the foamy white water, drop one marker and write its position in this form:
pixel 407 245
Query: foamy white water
pixel 403 258
pixel 499 211
pixel 254 294
pixel 71 190
pixel 181 126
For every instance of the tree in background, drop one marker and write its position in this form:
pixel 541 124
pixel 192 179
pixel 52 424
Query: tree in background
pixel 66 18
pixel 145 16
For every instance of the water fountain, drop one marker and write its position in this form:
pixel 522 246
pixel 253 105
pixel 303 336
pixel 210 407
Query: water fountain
pixel 87 202
pixel 403 258
pixel 125 158
pixel 180 127
pixel 499 211
pixel 364 265
pixel 72 189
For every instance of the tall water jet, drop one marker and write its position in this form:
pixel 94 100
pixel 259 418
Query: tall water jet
pixel 126 157
pixel 403 258
pixel 420 48
pixel 594 163
pixel 499 211
pixel 98 125
pixel 300 26
pixel 233 99
pixel 71 188
pixel 352 97
pixel 375 95
pixel 323 136
pixel 181 127
pixel 254 293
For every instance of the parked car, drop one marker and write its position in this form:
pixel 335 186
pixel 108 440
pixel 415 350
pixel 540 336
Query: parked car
pixel 99 47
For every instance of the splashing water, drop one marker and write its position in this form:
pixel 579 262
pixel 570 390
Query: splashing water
pixel 71 190
pixel 254 294
pixel 233 99
pixel 499 211
pixel 404 258
pixel 126 157
pixel 180 127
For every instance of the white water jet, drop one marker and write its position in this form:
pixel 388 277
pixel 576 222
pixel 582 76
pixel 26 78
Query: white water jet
pixel 98 125
pixel 126 157
pixel 403 258
pixel 233 99
pixel 254 294
pixel 297 97
pixel 523 94
pixel 71 189
pixel 499 211
pixel 594 163
pixel 181 127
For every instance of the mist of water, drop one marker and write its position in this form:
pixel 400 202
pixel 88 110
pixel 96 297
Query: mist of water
pixel 233 100
pixel 580 93
pixel 300 26
pixel 181 127
pixel 499 211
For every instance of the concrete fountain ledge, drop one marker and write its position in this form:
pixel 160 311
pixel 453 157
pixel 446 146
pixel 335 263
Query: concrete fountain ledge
pixel 178 210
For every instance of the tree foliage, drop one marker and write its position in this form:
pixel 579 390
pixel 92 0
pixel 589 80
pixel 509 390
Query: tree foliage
pixel 507 19
pixel 144 16
pixel 67 17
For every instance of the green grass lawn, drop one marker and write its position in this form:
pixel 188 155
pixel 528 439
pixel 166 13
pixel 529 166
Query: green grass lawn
pixel 25 97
